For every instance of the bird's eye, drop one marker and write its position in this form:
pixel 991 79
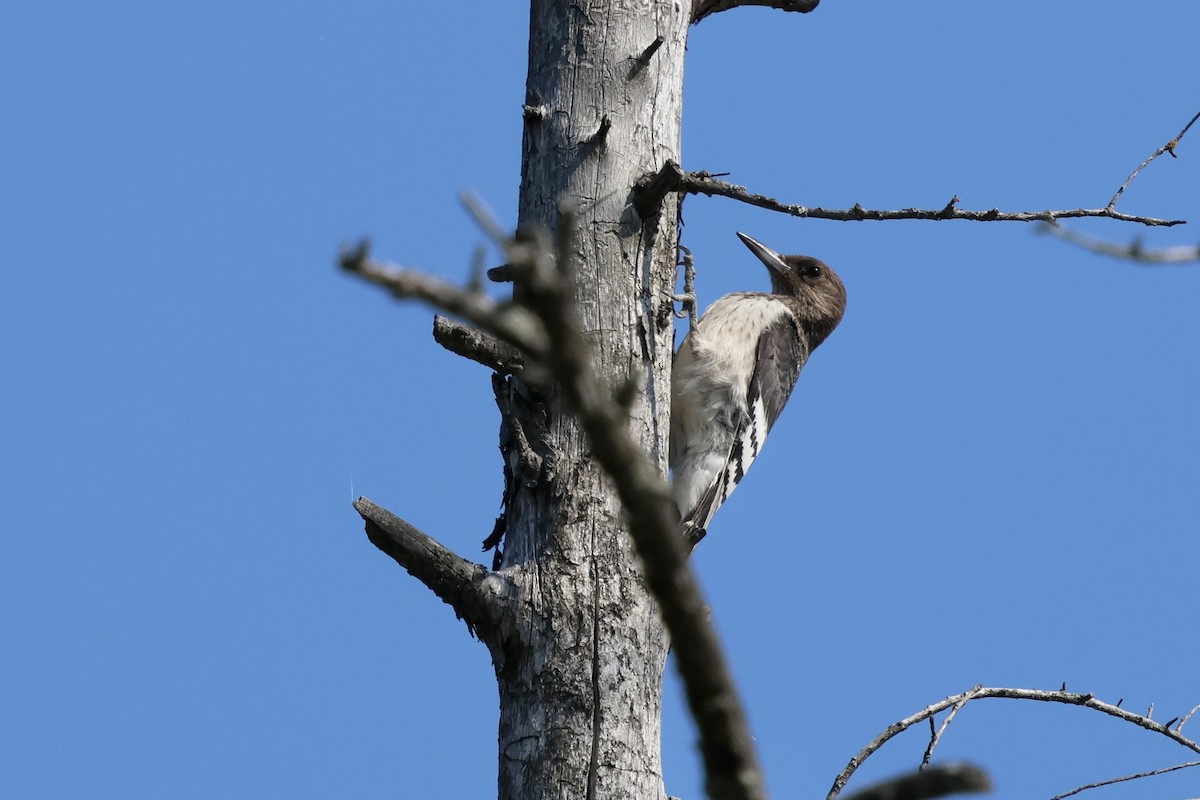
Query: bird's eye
pixel 812 271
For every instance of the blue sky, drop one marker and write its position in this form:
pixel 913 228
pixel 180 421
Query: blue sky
pixel 988 474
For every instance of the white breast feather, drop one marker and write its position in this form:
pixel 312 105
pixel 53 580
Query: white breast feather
pixel 711 378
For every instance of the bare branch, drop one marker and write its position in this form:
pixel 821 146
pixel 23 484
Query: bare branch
pixel 1123 778
pixel 703 8
pixel 1169 147
pixel 459 583
pixel 938 781
pixel 979 692
pixel 706 184
pixel 1184 254
pixel 484 217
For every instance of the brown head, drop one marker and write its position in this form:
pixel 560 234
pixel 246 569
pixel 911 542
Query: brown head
pixel 813 290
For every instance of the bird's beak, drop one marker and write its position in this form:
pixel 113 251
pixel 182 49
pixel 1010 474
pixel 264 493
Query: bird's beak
pixel 765 254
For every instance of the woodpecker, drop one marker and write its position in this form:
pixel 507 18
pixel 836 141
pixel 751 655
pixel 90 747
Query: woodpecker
pixel 734 372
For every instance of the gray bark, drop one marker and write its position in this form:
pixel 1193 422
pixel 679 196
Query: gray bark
pixel 580 666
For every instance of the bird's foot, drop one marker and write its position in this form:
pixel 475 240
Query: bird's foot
pixel 687 298
pixel 687 301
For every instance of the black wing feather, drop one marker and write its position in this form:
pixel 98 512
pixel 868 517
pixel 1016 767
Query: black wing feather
pixel 780 355
pixel 782 352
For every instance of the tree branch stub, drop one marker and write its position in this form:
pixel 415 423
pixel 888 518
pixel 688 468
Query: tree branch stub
pixel 649 195
pixel 482 348
pixel 704 8
pixel 459 583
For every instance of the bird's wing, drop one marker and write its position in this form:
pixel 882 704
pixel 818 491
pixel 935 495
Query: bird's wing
pixel 780 355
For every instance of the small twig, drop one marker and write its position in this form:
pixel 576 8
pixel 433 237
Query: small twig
pixel 1123 778
pixel 484 217
pixel 643 59
pixel 937 735
pixel 1186 717
pixel 703 183
pixel 979 692
pixel 1134 251
pixel 939 781
pixel 1169 147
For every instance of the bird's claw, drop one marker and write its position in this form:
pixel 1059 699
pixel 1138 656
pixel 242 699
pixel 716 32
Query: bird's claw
pixel 687 299
pixel 688 302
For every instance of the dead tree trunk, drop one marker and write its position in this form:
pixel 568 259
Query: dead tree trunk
pixel 580 666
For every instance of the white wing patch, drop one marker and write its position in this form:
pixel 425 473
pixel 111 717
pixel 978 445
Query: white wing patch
pixel 755 433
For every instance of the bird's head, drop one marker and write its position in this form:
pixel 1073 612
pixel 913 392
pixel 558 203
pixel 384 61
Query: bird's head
pixel 817 294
